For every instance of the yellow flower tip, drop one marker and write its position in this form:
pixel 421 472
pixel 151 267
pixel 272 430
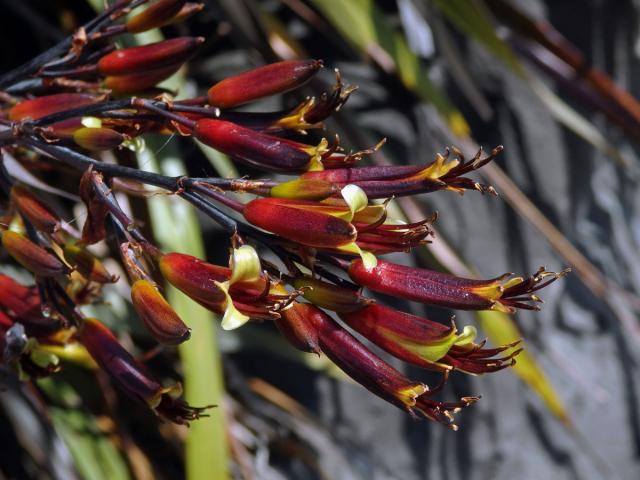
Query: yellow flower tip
pixel 355 198
pixel 409 394
pixel 468 335
pixel 295 119
pixel 91 122
pixel 174 391
pixel 315 164
pixel 492 291
pixel 512 282
pixel 245 265
pixel 500 307
pixel 232 317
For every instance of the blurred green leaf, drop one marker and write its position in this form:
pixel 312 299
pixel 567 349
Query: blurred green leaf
pixel 177 229
pixel 472 19
pixel 368 31
pixel 501 329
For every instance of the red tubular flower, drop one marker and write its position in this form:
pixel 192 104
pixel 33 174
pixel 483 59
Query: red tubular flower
pixel 158 316
pixel 201 281
pixel 402 180
pixel 332 225
pixel 312 330
pixel 132 377
pixel 148 58
pixel 310 113
pixel 31 256
pixel 156 15
pixel 259 149
pixel 425 343
pixel 34 210
pixel 300 221
pixel 261 82
pixel 435 288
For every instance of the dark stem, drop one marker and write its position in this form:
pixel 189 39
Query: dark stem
pixel 33 65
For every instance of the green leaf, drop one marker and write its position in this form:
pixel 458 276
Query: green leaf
pixel 177 229
pixel 364 26
pixel 501 329
pixel 471 18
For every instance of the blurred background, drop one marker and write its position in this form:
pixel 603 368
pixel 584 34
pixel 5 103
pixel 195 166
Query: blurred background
pixel 556 83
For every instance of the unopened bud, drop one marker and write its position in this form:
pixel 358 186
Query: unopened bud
pixel 31 256
pixel 41 216
pixel 157 315
pixel 97 139
pixel 156 15
pixel 261 82
pixel 147 58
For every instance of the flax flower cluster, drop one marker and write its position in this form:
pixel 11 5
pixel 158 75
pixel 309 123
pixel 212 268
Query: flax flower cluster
pixel 304 252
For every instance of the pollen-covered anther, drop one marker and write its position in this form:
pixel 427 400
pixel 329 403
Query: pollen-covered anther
pixel 517 292
pixel 334 158
pixel 442 412
pixel 451 172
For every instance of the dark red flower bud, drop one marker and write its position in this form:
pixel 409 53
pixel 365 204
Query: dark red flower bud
pixel 156 15
pixel 158 316
pixel 97 139
pixel 436 288
pixel 50 104
pixel 258 149
pixel 261 82
pixel 34 210
pixel 291 220
pixel 132 377
pixel 149 58
pixel 140 82
pixel 425 343
pixel 31 256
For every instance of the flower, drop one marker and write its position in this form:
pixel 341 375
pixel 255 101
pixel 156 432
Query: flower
pixel 132 377
pixel 401 180
pixel 347 225
pixel 259 149
pixel 214 287
pixel 425 343
pixel 312 330
pixel 504 293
